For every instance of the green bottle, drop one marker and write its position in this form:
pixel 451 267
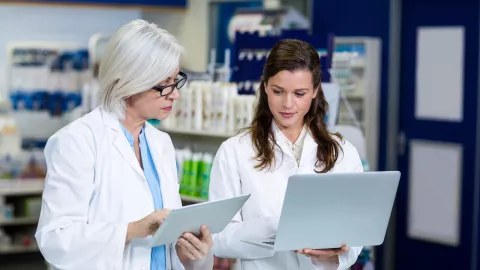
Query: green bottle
pixel 192 183
pixel 205 175
pixel 184 183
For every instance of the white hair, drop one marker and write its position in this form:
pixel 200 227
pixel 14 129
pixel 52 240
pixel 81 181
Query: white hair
pixel 138 56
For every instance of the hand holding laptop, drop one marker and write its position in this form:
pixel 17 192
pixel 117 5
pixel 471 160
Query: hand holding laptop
pixel 326 255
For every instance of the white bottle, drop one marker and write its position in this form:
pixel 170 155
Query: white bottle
pixel 197 111
pixel 5 240
pixel 187 108
pixel 207 105
pixel 222 108
pixel 2 208
pixel 237 101
pixel 232 94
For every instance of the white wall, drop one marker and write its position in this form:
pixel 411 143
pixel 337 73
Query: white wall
pixel 20 23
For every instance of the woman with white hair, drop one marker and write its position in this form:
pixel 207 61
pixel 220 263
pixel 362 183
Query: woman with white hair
pixel 111 176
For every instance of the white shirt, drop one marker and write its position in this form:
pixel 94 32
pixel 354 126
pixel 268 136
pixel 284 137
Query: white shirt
pixel 296 147
pixel 233 174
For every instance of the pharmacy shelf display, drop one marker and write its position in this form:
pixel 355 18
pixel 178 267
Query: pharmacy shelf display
pixel 26 195
pixel 20 202
pixel 45 81
pixel 356 69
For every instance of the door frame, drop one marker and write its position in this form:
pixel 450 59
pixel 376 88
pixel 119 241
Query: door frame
pixel 385 254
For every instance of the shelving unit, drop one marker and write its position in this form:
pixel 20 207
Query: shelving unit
pixel 201 141
pixel 21 187
pixel 12 190
pixel 19 221
pixel 356 67
pixel 198 133
pixel 18 249
pixel 190 199
pixel 207 141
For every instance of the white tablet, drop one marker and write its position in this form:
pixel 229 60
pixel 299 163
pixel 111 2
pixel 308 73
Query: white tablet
pixel 216 215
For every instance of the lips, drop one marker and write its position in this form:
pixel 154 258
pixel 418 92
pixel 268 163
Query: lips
pixel 286 115
pixel 168 108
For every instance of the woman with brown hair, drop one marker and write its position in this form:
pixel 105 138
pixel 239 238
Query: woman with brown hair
pixel 288 135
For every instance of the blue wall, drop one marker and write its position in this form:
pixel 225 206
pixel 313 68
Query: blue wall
pixel 361 18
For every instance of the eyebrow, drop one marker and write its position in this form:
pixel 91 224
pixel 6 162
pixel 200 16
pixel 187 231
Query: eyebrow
pixel 299 89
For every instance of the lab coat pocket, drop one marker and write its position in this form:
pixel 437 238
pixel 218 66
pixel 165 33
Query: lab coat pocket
pixel 126 254
pixel 139 254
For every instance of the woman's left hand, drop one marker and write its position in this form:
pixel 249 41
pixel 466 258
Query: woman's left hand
pixel 327 255
pixel 190 247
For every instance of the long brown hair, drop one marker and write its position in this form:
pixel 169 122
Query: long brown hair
pixel 293 55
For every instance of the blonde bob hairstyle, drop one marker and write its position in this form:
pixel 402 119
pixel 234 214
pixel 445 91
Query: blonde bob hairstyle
pixel 138 56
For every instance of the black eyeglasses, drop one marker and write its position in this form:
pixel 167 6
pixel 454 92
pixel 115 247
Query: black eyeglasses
pixel 180 81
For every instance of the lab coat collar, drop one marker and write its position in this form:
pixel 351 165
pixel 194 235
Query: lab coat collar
pixel 110 119
pixel 155 144
pixel 121 142
pixel 309 143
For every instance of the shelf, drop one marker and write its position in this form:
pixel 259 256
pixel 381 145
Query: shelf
pixel 18 249
pixel 358 62
pixel 354 95
pixel 212 134
pixel 190 199
pixel 19 221
pixel 21 187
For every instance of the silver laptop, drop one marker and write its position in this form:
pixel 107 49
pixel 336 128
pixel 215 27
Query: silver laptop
pixel 323 211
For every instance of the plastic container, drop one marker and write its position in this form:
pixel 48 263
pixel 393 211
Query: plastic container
pixel 193 176
pixel 2 208
pixel 9 212
pixel 184 182
pixel 204 176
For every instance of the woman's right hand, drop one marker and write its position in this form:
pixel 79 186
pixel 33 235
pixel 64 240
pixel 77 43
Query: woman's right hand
pixel 147 225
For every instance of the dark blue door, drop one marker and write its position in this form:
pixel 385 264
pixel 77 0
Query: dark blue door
pixel 436 213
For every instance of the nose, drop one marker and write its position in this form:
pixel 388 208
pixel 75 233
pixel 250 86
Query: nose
pixel 287 101
pixel 175 94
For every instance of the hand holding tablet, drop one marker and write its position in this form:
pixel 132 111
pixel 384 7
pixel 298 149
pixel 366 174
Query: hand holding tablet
pixel 193 247
pixel 214 215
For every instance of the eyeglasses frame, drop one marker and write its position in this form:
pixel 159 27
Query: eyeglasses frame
pixel 174 85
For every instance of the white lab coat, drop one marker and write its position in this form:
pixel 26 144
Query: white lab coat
pixel 233 174
pixel 94 188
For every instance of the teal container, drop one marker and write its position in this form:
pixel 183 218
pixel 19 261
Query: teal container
pixel 154 122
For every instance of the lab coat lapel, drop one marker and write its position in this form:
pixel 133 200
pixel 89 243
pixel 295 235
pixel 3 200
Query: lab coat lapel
pixel 155 143
pixel 280 140
pixel 127 153
pixel 309 145
pixel 121 143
